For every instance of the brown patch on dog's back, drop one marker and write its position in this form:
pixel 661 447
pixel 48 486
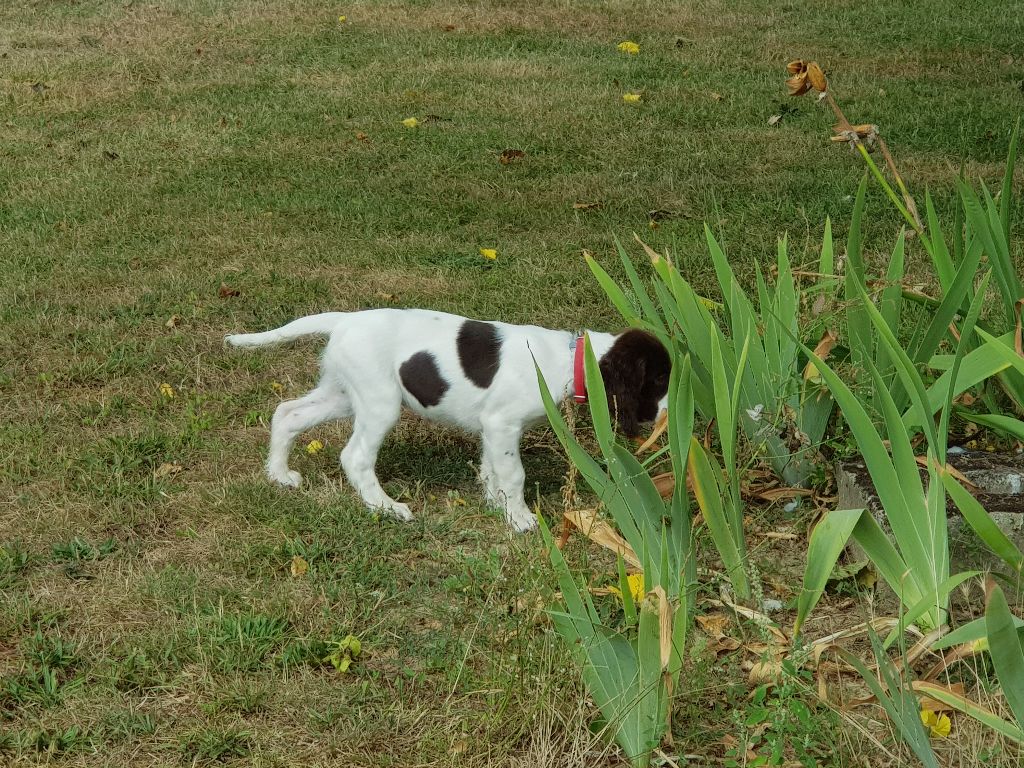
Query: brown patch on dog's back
pixel 422 379
pixel 479 348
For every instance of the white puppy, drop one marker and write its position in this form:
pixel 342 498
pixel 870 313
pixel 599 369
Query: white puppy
pixel 475 375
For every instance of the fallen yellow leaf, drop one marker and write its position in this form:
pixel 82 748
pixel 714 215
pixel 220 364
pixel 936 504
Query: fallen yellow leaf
pixel 938 725
pixel 299 566
pixel 631 98
pixel 636 587
pixel 489 253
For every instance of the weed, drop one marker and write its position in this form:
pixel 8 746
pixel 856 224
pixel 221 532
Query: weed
pixel 78 550
pixel 243 641
pixel 241 698
pixel 49 649
pixel 138 672
pixel 216 745
pixel 781 728
pixel 14 561
pixel 305 652
pixel 54 743
pixel 127 725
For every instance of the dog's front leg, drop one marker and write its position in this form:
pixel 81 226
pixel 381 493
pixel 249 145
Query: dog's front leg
pixel 503 474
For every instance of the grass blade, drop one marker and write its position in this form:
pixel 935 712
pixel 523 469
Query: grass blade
pixel 827 542
pixel 899 703
pixel 654 317
pixel 939 253
pixel 1004 645
pixel 708 492
pixel 1006 191
pixel 963 704
pixel 613 292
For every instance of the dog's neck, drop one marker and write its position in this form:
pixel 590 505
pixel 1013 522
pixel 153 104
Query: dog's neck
pixel 600 342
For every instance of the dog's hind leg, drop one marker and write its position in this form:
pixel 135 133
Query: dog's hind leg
pixel 374 418
pixel 292 418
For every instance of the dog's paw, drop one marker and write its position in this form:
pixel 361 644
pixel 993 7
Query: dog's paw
pixel 399 512
pixel 290 479
pixel 521 522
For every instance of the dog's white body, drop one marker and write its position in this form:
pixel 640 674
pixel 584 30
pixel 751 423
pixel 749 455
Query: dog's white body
pixel 368 374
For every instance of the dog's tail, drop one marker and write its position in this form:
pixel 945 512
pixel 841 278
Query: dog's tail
pixel 313 325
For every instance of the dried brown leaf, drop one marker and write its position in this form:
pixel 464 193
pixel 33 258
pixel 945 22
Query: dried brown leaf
pixel 509 156
pixel 957 689
pixel 824 347
pixel 660 426
pixel 602 534
pixel 665 624
pixel 167 469
pixel 665 483
pixel 798 84
pixel 714 624
pixel 816 77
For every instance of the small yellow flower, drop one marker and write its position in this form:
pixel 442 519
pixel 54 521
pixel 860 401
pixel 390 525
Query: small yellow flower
pixel 631 98
pixel 277 387
pixel 489 253
pixel 628 46
pixel 342 19
pixel 314 447
pixel 410 122
pixel 167 391
pixel 938 725
pixel 636 587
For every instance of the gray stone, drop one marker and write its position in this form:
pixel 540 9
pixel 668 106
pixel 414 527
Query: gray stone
pixel 1000 480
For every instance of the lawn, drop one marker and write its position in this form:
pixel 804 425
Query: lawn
pixel 175 171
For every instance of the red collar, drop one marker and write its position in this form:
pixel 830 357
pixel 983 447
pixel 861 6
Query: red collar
pixel 579 379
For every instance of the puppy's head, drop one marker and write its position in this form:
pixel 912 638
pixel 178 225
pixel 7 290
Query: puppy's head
pixel 635 372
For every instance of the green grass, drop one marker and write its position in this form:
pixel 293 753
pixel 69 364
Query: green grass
pixel 150 618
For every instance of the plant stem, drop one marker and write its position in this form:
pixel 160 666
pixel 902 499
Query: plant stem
pixel 907 198
pixel 908 208
pixel 888 188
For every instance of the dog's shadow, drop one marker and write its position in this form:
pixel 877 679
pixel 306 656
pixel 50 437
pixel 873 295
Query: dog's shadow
pixel 439 457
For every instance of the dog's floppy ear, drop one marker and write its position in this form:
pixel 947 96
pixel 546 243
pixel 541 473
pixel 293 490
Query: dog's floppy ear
pixel 635 373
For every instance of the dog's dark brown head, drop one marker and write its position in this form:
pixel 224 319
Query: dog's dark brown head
pixel 635 372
